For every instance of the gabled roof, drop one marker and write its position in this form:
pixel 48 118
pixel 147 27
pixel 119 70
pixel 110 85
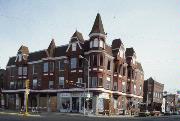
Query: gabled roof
pixel 98 26
pixel 77 35
pixel 129 52
pixel 60 51
pixel 51 48
pixel 38 55
pixel 24 50
pixel 11 61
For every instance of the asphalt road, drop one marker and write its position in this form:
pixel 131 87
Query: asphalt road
pixel 56 117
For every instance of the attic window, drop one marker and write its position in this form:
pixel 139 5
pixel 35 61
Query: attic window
pixel 74 46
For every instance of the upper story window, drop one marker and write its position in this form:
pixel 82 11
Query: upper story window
pixel 61 65
pixel 61 82
pixel 96 42
pixel 35 83
pixel 51 66
pixel 109 65
pixel 24 70
pixel 140 89
pixel 91 43
pixel 100 82
pixel 74 46
pixel 94 82
pixel 94 60
pixel 123 87
pixel 51 83
pixel 116 67
pixel 20 71
pixel 73 63
pixel 101 43
pixel 34 69
pixel 120 69
pixel 12 85
pixel 101 60
pixel 115 85
pixel 46 67
pixel 124 71
pixel 134 89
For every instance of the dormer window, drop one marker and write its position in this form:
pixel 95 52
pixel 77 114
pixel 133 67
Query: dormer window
pixel 74 46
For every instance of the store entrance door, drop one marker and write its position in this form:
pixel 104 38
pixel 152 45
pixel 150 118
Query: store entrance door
pixel 75 104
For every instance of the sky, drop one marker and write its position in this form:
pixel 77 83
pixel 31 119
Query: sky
pixel 151 27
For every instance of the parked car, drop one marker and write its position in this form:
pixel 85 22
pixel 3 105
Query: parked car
pixel 167 113
pixel 176 113
pixel 155 113
pixel 144 114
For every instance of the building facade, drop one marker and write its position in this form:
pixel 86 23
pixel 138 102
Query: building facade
pixel 61 76
pixel 153 94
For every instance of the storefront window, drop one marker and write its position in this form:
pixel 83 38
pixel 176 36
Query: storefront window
pixel 65 103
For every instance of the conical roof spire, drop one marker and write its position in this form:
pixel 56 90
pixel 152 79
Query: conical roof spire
pixel 98 26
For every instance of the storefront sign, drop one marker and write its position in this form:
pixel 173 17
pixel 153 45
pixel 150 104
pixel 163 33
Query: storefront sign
pixel 65 94
pixel 104 95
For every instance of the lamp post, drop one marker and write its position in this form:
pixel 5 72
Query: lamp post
pixel 84 112
pixel 88 95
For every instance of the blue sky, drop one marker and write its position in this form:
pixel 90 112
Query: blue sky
pixel 150 26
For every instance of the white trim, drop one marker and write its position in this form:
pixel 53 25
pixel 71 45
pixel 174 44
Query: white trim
pixel 73 70
pixel 97 34
pixel 99 51
pixel 95 69
pixel 80 71
pixel 100 69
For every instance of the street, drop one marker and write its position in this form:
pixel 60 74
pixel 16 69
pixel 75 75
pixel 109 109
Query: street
pixel 64 117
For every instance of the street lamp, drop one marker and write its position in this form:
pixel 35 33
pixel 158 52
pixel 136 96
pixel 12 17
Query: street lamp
pixel 88 94
pixel 84 95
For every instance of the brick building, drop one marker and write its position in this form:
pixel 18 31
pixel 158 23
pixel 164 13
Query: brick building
pixel 153 94
pixel 58 75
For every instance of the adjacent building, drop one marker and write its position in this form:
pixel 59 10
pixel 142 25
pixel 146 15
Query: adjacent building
pixel 2 79
pixel 153 94
pixel 59 75
pixel 171 102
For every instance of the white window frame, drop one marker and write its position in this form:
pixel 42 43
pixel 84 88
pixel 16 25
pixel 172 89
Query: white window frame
pixel 61 81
